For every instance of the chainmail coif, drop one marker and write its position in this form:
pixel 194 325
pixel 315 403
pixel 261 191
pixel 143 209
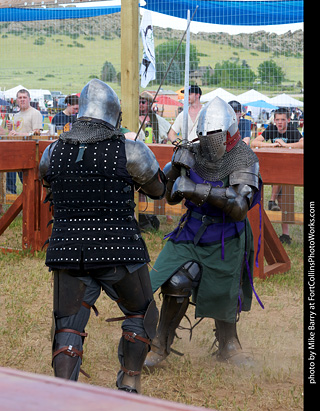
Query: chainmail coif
pixel 241 156
pixel 89 131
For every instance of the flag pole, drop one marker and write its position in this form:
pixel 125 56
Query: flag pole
pixel 165 74
pixel 186 83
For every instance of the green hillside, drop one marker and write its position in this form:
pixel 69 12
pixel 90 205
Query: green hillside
pixel 67 62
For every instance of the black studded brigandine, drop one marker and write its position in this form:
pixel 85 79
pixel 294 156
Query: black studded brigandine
pixel 94 222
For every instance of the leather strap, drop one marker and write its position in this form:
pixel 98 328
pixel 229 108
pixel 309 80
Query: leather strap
pixel 68 350
pixel 130 372
pixel 69 330
pixel 206 220
pixel 72 352
pixel 91 306
pixel 109 320
pixel 130 336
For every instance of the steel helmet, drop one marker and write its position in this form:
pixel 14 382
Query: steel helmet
pixel 99 101
pixel 217 129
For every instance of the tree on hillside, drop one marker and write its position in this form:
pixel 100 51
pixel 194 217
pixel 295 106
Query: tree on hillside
pixel 108 72
pixel 269 72
pixel 230 73
pixel 164 53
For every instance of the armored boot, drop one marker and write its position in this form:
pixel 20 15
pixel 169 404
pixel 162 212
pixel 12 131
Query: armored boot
pixel 69 319
pixel 229 347
pixel 132 353
pixel 172 311
pixel 66 364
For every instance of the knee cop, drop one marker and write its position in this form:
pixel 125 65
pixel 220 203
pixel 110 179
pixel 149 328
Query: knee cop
pixel 181 283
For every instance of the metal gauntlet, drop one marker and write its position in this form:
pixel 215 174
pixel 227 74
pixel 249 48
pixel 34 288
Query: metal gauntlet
pixel 183 157
pixel 234 201
pixel 172 173
pixel 186 188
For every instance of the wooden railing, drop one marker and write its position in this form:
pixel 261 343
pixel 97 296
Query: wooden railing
pixel 25 155
pixel 277 166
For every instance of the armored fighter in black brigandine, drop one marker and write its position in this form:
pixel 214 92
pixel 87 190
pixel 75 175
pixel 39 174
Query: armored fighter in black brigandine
pixel 90 174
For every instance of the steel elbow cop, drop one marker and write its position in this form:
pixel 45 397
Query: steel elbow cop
pixel 144 169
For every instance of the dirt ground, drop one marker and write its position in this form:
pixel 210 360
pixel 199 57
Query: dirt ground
pixel 274 336
pixel 275 382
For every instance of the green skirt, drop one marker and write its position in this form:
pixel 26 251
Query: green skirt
pixel 222 281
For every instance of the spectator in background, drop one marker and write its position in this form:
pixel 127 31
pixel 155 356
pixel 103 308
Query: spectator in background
pixel 280 134
pixel 25 122
pixel 154 130
pixel 160 126
pixel 69 115
pixel 3 132
pixel 295 118
pixel 28 119
pixel 195 107
pixel 243 124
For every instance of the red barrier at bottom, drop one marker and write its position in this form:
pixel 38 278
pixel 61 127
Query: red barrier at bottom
pixel 33 392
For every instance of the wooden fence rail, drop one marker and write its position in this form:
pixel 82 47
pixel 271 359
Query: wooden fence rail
pixel 277 166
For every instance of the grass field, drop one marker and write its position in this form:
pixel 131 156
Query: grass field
pixel 62 63
pixel 274 336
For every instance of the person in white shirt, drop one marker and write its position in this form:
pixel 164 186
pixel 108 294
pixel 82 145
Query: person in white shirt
pixel 28 119
pixel 195 106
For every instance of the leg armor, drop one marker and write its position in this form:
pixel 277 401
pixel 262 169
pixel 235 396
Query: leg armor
pixel 176 292
pixel 229 347
pixel 70 317
pixel 135 299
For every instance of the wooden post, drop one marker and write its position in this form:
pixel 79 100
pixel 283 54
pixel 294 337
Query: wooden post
pixel 130 64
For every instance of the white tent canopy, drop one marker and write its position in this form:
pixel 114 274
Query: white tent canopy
pixel 219 92
pixel 284 100
pixel 252 95
pixel 12 92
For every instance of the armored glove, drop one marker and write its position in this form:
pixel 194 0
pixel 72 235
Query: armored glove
pixel 233 200
pixel 182 160
pixel 183 157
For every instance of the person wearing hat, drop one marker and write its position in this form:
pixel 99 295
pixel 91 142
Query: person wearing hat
pixel 160 126
pixel 195 106
pixel 243 124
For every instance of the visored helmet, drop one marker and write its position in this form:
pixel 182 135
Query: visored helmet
pixel 217 129
pixel 99 101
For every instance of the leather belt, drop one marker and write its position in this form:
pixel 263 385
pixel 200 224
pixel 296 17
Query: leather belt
pixel 206 221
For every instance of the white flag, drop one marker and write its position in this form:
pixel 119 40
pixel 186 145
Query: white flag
pixel 148 65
